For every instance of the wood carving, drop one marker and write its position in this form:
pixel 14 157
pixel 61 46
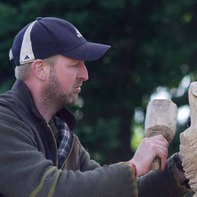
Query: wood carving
pixel 188 139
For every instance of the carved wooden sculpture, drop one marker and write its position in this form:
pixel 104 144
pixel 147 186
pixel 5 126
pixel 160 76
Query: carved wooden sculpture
pixel 188 139
pixel 161 118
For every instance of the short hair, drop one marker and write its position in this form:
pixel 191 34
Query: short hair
pixel 22 72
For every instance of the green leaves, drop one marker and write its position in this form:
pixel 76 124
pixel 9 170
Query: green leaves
pixel 153 44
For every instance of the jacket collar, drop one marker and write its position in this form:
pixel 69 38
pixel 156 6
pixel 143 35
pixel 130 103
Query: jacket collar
pixel 24 95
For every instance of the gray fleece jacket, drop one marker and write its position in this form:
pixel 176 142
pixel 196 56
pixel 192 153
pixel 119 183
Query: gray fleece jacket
pixel 28 160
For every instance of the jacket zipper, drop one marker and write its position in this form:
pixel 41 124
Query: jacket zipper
pixel 69 151
pixel 49 127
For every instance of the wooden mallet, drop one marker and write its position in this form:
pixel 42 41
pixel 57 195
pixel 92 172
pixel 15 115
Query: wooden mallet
pixel 161 118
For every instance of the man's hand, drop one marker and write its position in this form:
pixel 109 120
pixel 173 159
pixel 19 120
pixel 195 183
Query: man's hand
pixel 148 149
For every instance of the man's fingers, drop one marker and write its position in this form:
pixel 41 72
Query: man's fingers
pixel 148 150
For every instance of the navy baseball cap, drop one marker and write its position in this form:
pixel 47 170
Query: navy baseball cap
pixel 48 36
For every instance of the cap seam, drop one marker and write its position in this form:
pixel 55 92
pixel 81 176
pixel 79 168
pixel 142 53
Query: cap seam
pixel 58 41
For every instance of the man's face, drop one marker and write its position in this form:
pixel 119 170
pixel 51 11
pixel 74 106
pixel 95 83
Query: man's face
pixel 65 81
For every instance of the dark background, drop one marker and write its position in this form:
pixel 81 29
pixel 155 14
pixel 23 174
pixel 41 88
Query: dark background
pixel 154 44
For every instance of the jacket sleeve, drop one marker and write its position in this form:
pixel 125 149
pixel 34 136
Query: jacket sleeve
pixel 161 183
pixel 86 163
pixel 24 170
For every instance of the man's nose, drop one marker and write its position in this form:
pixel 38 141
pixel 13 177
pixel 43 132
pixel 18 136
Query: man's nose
pixel 83 72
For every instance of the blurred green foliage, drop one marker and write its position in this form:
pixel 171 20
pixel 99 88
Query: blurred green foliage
pixel 153 44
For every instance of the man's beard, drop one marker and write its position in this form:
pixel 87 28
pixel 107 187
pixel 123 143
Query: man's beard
pixel 53 98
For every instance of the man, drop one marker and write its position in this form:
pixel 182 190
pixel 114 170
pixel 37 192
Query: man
pixel 40 155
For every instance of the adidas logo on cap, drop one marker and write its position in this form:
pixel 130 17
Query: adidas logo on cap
pixel 26 57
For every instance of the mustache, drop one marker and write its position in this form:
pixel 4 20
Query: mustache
pixel 78 84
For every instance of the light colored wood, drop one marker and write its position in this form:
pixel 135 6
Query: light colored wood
pixel 188 139
pixel 161 118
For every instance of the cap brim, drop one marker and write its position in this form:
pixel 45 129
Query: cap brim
pixel 88 51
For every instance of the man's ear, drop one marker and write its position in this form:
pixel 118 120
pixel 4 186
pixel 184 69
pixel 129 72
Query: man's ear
pixel 40 69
